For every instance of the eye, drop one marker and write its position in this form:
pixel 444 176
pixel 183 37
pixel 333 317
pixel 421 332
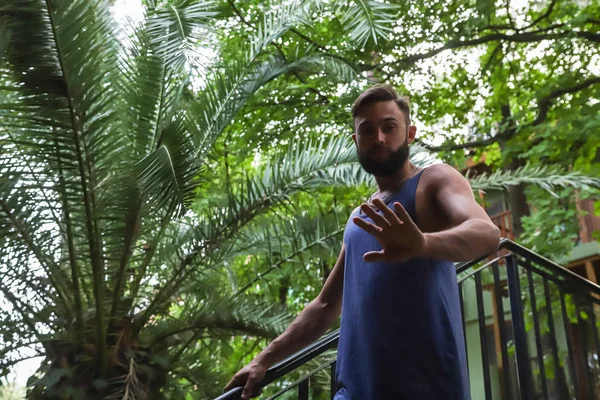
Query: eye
pixel 389 128
pixel 367 131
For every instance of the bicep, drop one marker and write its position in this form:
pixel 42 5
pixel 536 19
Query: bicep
pixel 454 196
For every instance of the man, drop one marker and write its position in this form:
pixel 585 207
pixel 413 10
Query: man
pixel 401 331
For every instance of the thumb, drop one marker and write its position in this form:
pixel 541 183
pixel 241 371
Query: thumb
pixel 375 256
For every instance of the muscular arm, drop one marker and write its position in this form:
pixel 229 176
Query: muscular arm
pixel 472 234
pixel 312 322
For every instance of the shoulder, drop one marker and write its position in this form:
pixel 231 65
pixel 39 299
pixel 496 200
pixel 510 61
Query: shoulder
pixel 438 176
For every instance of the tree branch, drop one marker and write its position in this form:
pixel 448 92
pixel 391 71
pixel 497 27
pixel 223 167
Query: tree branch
pixel 462 146
pixel 239 14
pixel 591 36
pixel 519 38
pixel 309 40
pixel 8 364
pixel 543 16
pixel 544 107
pixel 546 102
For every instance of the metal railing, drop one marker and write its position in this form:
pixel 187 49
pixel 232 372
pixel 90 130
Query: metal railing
pixel 284 367
pixel 530 332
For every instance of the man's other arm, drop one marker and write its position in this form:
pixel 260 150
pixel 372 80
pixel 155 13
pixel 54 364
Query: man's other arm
pixel 318 316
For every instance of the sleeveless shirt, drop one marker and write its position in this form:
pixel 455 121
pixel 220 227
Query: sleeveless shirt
pixel 401 331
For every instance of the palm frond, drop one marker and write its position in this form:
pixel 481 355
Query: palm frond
pixel 167 175
pixel 336 68
pixel 368 20
pixel 26 212
pixel 277 240
pixel 353 175
pixel 220 316
pixel 303 165
pixel 64 61
pixel 546 177
pixel 178 30
pixel 283 16
pixel 227 89
pixel 220 221
pixel 144 82
pixel 339 69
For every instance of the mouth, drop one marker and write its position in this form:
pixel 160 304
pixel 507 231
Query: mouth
pixel 381 151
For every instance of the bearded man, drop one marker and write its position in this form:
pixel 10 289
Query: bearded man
pixel 394 282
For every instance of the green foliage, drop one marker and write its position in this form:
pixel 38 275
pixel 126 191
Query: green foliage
pixel 553 227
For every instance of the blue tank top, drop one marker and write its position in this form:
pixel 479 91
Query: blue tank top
pixel 401 330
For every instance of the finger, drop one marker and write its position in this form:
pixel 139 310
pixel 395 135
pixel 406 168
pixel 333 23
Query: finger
pixel 247 392
pixel 402 213
pixel 234 382
pixel 390 215
pixel 367 226
pixel 374 215
pixel 375 256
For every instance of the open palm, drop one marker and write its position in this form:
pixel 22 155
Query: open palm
pixel 399 236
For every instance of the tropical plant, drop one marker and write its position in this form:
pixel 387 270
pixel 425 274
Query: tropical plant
pixel 105 140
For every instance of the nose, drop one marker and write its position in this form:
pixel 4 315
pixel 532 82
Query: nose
pixel 380 136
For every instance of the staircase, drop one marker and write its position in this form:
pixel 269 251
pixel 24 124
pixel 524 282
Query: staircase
pixel 531 332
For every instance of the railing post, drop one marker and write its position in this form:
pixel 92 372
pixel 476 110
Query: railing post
pixel 516 308
pixel 303 389
pixel 558 369
pixel 502 328
pixel 333 379
pixel 538 336
pixel 485 358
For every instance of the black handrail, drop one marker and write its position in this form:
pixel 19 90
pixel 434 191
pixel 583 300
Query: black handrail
pixel 526 253
pixel 331 340
pixel 289 364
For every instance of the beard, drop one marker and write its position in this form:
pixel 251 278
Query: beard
pixel 387 167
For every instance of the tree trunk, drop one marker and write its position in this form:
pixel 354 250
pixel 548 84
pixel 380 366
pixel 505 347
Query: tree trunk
pixel 516 194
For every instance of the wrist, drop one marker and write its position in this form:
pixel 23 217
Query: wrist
pixel 430 241
pixel 265 359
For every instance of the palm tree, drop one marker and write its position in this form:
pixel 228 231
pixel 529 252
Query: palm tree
pixel 104 144
pixel 106 271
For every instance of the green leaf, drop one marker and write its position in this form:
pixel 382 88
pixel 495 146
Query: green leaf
pixel 367 20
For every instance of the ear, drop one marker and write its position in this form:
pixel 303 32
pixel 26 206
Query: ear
pixel 354 138
pixel 412 133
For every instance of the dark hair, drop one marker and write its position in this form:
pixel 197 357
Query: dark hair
pixel 379 93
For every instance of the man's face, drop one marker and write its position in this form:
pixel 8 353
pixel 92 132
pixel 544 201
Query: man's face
pixel 382 138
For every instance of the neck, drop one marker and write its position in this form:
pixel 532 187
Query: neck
pixel 390 182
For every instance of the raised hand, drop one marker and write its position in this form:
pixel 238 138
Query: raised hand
pixel 399 236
